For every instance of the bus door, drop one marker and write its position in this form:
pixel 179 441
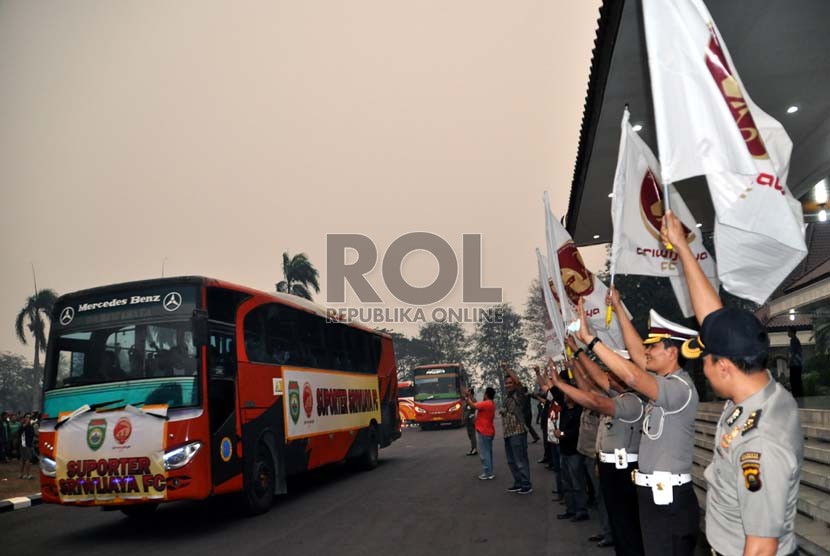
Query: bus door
pixel 222 407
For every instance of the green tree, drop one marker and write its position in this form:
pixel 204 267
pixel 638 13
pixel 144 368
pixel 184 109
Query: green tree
pixel 16 382
pixel 446 342
pixel 500 342
pixel 533 322
pixel 35 315
pixel 409 353
pixel 298 275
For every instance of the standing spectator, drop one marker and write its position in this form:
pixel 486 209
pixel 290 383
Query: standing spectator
pixel 27 440
pixel 587 447
pixel 542 421
pixel 527 411
pixel 14 436
pixel 573 469
pixel 4 437
pixel 515 433
pixel 470 421
pixel 486 430
pixel 796 365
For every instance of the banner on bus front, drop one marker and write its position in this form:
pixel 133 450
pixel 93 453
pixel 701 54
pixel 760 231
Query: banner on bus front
pixel 112 456
pixel 318 402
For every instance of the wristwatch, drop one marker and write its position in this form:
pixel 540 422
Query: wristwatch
pixel 590 348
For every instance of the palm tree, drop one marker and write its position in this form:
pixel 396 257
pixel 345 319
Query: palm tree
pixel 298 274
pixel 31 316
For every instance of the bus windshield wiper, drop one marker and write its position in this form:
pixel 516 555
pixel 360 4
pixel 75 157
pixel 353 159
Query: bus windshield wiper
pixel 104 404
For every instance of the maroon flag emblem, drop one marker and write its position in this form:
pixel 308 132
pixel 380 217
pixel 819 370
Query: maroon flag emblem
pixel 728 87
pixel 577 279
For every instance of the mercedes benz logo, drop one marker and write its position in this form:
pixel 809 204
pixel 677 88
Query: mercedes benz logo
pixel 67 315
pixel 172 301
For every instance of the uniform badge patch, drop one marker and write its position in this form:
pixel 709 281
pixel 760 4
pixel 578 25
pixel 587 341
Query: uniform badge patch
pixel 734 416
pixel 728 437
pixel 752 476
pixel 750 456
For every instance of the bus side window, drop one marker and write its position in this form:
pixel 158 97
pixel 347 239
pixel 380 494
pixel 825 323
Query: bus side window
pixel 281 345
pixel 254 337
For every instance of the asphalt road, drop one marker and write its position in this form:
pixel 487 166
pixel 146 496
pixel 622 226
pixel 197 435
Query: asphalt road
pixel 423 498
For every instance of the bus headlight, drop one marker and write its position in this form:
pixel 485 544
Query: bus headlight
pixel 419 410
pixel 178 458
pixel 47 466
pixel 456 407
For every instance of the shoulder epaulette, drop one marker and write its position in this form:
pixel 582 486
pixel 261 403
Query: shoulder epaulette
pixel 752 421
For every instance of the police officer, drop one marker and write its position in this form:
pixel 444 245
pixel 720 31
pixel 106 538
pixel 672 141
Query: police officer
pixel 755 471
pixel 618 445
pixel 668 507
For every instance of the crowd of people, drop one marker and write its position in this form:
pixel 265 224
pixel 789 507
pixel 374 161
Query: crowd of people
pixel 19 440
pixel 618 426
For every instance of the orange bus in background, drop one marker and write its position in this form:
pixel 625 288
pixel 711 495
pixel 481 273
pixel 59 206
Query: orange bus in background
pixel 181 388
pixel 406 401
pixel 438 395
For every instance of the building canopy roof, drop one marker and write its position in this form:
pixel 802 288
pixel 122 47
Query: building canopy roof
pixel 779 50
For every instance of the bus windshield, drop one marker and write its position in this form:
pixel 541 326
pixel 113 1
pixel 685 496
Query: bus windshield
pixel 123 363
pixel 437 387
pixel 406 391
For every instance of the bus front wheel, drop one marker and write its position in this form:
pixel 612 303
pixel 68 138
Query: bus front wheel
pixel 259 488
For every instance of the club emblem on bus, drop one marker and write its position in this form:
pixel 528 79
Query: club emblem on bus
pixel 226 449
pixel 308 400
pixel 294 400
pixel 95 433
pixel 122 431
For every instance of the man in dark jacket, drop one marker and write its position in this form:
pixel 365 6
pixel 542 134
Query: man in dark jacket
pixel 527 410
pixel 573 476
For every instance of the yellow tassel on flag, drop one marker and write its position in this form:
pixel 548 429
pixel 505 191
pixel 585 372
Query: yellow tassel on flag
pixel 609 311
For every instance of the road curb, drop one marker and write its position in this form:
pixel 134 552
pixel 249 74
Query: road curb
pixel 19 502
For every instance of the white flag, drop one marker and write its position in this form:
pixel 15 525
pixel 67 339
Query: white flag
pixel 708 125
pixel 554 328
pixel 575 281
pixel 636 213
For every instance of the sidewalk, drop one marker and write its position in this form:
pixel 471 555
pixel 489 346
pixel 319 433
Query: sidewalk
pixel 11 486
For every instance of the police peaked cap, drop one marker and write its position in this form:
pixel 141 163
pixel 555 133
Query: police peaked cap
pixel 661 328
pixel 729 332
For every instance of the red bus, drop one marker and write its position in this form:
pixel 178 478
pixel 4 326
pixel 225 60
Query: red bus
pixel 406 401
pixel 438 395
pixel 181 388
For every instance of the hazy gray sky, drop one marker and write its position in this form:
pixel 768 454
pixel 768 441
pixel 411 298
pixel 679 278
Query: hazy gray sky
pixel 219 134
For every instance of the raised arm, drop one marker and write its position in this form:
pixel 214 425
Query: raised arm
pixel 590 399
pixel 625 370
pixel 705 299
pixel 633 340
pixel 594 372
pixel 506 368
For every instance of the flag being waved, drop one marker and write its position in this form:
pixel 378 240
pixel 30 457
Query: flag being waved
pixel 575 281
pixel 636 213
pixel 554 328
pixel 708 125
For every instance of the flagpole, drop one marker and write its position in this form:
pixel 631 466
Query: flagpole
pixel 666 208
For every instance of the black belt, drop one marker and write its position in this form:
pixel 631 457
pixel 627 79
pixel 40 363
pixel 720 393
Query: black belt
pixel 715 553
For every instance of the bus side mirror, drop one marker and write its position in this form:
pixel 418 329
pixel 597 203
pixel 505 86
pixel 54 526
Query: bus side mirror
pixel 200 328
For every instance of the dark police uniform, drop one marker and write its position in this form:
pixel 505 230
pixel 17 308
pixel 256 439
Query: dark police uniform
pixel 619 447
